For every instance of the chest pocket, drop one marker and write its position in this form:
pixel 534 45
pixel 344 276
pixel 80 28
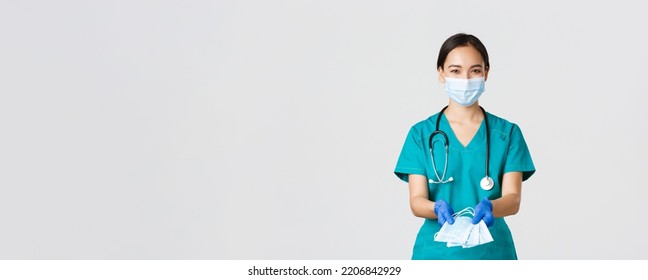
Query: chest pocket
pixel 498 152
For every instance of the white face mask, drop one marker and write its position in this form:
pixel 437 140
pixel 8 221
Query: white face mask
pixel 463 233
pixel 465 91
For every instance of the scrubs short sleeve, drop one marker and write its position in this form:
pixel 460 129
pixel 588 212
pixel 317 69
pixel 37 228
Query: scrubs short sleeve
pixel 412 156
pixel 518 158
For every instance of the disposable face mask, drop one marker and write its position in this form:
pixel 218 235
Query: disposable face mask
pixel 463 233
pixel 465 91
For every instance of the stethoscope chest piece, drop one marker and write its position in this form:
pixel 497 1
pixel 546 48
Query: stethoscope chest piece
pixel 487 183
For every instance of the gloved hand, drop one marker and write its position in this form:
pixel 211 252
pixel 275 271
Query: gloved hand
pixel 444 212
pixel 484 211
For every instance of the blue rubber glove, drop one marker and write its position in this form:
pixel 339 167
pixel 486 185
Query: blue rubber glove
pixel 484 211
pixel 444 212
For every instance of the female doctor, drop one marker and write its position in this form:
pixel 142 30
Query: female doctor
pixel 482 165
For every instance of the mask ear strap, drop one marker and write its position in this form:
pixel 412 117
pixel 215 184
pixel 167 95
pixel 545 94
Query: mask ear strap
pixel 465 212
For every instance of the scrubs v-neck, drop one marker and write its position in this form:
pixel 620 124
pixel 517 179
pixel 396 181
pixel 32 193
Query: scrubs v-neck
pixel 467 166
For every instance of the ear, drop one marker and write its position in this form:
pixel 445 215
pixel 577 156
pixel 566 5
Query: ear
pixel 441 77
pixel 486 74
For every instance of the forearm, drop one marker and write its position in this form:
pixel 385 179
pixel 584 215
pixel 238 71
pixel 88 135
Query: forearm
pixel 419 202
pixel 509 203
pixel 506 205
pixel 422 207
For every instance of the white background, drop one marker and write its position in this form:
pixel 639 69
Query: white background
pixel 270 129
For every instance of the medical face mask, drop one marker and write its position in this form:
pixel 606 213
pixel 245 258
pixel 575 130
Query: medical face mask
pixel 465 91
pixel 462 232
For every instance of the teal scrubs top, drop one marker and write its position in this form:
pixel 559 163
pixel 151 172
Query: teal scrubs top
pixel 467 166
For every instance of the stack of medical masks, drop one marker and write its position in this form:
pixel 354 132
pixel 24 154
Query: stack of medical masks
pixel 463 233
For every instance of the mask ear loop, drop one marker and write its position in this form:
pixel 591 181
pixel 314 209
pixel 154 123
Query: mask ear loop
pixel 465 212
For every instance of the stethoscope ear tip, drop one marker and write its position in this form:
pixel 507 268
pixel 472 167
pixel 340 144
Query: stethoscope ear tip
pixel 440 181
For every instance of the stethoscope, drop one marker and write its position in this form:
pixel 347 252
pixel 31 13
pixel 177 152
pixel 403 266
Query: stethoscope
pixel 486 183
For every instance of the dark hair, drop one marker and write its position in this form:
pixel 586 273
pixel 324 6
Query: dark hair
pixel 459 40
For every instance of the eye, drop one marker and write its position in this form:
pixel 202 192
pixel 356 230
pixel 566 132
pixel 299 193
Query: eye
pixel 454 71
pixel 477 71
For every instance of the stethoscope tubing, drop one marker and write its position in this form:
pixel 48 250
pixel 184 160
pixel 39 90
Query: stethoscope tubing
pixel 442 179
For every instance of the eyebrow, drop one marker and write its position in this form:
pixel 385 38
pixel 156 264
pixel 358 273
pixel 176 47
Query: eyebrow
pixel 459 66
